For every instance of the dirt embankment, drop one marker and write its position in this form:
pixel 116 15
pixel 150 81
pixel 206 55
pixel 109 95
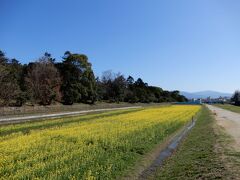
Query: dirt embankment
pixel 230 121
pixel 228 139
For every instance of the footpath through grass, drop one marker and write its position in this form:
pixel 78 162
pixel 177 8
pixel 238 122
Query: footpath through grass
pixel 196 157
pixel 229 107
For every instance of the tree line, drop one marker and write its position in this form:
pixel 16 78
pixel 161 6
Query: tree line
pixel 236 98
pixel 72 80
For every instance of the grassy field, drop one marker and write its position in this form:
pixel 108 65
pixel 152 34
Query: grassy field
pixel 196 157
pixel 229 107
pixel 35 110
pixel 99 146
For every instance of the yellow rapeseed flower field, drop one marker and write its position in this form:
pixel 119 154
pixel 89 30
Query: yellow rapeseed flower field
pixel 100 146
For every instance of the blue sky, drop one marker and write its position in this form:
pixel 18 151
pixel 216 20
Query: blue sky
pixel 189 45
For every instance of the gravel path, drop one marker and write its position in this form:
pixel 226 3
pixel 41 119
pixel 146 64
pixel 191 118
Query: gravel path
pixel 56 115
pixel 230 121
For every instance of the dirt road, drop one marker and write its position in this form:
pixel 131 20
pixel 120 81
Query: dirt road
pixel 230 121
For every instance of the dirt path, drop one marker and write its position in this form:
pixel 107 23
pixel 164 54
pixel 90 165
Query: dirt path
pixel 230 121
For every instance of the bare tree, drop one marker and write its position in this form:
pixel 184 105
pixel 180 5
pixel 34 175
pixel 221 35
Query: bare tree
pixel 43 81
pixel 9 88
pixel 3 72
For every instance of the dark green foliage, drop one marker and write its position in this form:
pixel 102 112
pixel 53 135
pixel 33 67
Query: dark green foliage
pixel 3 59
pixel 115 88
pixel 236 98
pixel 72 81
pixel 10 78
pixel 79 83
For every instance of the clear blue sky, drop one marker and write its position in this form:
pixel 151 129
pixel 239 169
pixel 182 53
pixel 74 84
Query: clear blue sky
pixel 189 45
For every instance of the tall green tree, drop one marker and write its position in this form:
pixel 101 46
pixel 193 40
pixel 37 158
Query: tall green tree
pixel 130 94
pixel 3 58
pixel 236 98
pixel 119 86
pixel 140 89
pixel 79 83
pixel 113 86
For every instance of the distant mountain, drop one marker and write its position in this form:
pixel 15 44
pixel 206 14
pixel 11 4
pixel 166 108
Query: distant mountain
pixel 204 94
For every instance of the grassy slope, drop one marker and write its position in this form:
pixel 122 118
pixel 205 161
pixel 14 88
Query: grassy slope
pixel 59 108
pixel 196 158
pixel 229 107
pixel 26 127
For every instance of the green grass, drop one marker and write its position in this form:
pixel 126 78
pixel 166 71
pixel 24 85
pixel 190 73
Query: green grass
pixel 229 107
pixel 26 127
pixel 196 157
